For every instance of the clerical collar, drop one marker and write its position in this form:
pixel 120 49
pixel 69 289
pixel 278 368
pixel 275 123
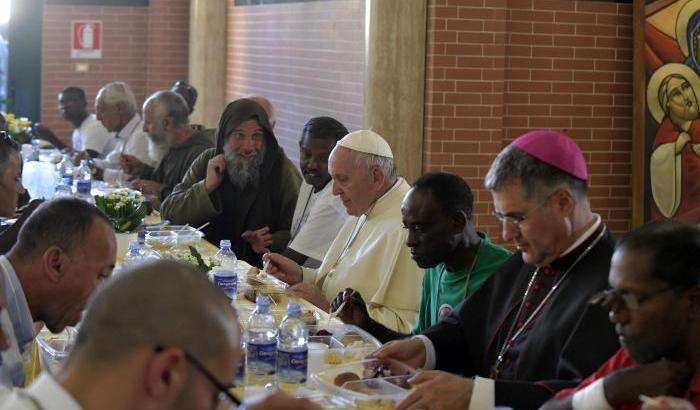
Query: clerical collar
pixel 381 204
pixel 568 256
pixel 589 232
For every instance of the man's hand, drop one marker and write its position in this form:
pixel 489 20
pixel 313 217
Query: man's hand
pixel 215 173
pixel 436 390
pixel 280 400
pixel 130 164
pixel 410 351
pixel 282 268
pixel 662 377
pixel 147 187
pixel 45 133
pixel 668 403
pixel 354 311
pixel 310 293
pixel 260 239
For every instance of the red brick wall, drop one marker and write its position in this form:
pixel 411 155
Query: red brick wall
pixel 145 46
pixel 498 68
pixel 307 58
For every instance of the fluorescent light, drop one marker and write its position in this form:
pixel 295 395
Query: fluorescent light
pixel 5 11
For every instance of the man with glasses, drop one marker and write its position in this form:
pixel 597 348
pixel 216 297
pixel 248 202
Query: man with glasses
pixel 529 331
pixel 654 304
pixel 158 337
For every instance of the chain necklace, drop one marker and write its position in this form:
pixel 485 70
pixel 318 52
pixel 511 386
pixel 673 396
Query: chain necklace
pixel 513 334
pixel 469 276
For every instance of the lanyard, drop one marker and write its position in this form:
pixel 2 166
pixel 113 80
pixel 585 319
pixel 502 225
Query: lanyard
pixel 513 334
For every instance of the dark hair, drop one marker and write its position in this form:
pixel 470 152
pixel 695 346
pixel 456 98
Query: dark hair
pixel 7 146
pixel 186 91
pixel 673 248
pixel 325 128
pixel 239 111
pixel 537 178
pixel 76 92
pixel 63 222
pixel 450 191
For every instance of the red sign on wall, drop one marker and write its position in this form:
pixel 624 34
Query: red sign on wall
pixel 86 39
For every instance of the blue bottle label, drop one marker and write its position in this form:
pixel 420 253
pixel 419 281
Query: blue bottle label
pixel 227 282
pixel 84 187
pixel 292 365
pixel 67 180
pixel 262 358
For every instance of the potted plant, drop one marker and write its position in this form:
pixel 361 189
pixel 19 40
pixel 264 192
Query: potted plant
pixel 126 210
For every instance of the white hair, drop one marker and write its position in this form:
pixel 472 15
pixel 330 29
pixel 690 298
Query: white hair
pixel 369 161
pixel 118 92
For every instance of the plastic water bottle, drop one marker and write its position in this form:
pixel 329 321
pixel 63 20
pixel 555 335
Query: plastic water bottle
pixel 133 256
pixel 65 171
pixel 224 275
pixel 261 345
pixel 84 182
pixel 35 149
pixel 292 350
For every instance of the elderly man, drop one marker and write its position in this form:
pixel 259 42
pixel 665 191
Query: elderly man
pixel 368 254
pixel 177 348
pixel 318 214
pixel 437 212
pixel 246 187
pixel 64 250
pixel 115 106
pixel 165 118
pixel 654 304
pixel 89 135
pixel 529 330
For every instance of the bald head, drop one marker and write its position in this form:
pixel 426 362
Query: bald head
pixel 267 106
pixel 169 304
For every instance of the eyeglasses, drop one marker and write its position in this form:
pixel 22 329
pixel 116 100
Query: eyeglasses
pixel 615 299
pixel 223 388
pixel 515 220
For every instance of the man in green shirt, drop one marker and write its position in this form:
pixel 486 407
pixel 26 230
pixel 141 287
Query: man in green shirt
pixel 458 259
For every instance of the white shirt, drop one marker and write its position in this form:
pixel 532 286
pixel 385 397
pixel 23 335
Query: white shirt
pixel 130 140
pixel 317 219
pixel 92 135
pixel 44 394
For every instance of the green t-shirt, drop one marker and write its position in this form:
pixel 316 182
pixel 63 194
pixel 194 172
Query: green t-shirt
pixel 442 290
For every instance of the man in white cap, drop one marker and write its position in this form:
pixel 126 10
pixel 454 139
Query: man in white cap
pixel 529 331
pixel 368 255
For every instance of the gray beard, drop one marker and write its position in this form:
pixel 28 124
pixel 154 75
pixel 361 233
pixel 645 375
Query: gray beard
pixel 157 150
pixel 243 174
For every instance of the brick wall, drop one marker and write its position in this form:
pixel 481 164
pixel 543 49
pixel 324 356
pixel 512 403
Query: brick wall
pixel 498 68
pixel 306 57
pixel 145 46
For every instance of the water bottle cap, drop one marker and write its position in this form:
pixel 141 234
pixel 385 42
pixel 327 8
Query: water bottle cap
pixel 225 243
pixel 294 309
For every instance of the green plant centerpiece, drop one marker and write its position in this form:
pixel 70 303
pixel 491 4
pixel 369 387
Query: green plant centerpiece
pixel 20 129
pixel 126 209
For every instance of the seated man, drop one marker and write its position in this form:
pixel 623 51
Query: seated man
pixel 437 212
pixel 90 138
pixel 529 330
pixel 246 187
pixel 165 118
pixel 10 191
pixel 115 107
pixel 368 254
pixel 319 214
pixel 267 106
pixel 154 352
pixel 64 250
pixel 654 304
pixel 189 93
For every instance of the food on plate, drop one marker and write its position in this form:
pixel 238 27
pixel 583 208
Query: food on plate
pixel 377 404
pixel 350 338
pixel 323 332
pixel 345 377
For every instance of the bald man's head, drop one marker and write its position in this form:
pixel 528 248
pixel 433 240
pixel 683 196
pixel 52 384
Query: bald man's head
pixel 267 106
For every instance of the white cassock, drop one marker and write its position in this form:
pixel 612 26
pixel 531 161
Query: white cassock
pixel 370 255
